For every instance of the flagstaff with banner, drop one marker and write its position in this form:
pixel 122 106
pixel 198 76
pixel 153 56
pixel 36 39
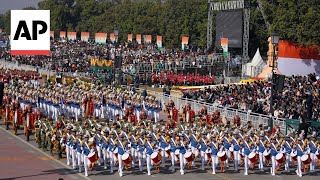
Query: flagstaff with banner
pixel 129 37
pixel 85 36
pixel 101 38
pixel 63 34
pixel 224 45
pixel 185 41
pixel 112 37
pixel 138 38
pixel 159 42
pixel 72 35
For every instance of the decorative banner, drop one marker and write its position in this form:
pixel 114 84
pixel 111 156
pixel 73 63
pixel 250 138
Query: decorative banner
pixel 185 41
pixel 129 37
pixel 159 42
pixel 148 38
pixel 144 39
pixel 138 38
pixel 224 45
pixel 101 63
pixel 72 35
pixel 52 34
pixel 101 38
pixel 85 36
pixel 63 34
pixel 112 37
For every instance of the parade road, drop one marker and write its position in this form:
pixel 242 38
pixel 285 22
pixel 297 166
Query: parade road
pixel 23 160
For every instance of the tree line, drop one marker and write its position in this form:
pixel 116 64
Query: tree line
pixel 295 20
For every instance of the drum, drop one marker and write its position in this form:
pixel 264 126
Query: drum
pixel 189 156
pixel 318 155
pixel 167 154
pixel 222 155
pixel 253 157
pixel 208 154
pixel 156 158
pixel 176 153
pixel 293 156
pixel 126 159
pixel 115 152
pixel 93 157
pixel 280 158
pixel 306 159
pixel 267 155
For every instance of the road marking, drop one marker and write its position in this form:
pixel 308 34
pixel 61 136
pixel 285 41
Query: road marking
pixel 33 147
pixel 220 176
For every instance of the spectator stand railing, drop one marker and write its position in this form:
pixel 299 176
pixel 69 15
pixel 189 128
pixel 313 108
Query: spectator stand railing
pixel 226 112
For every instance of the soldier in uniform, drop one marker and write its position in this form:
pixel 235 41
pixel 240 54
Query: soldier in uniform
pixel 38 134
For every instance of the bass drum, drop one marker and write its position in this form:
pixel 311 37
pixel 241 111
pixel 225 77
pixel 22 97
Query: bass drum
pixel 253 157
pixel 306 159
pixel 267 155
pixel 280 158
pixel 126 159
pixel 293 156
pixel 176 153
pixel 93 157
pixel 156 158
pixel 189 156
pixel 222 155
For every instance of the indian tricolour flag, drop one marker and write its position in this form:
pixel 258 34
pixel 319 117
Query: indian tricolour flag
pixel 72 35
pixel 138 38
pixel 224 45
pixel 129 37
pixel 148 38
pixel 52 34
pixel 101 38
pixel 298 60
pixel 112 37
pixel 63 34
pixel 159 42
pixel 185 41
pixel 85 36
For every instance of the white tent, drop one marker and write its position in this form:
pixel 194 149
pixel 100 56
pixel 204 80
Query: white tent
pixel 255 67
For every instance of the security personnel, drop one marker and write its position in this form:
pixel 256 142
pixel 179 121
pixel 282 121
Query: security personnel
pixel 38 132
pixel 43 136
pixel 58 145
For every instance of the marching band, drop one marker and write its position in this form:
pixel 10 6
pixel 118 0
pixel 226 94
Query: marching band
pixel 137 136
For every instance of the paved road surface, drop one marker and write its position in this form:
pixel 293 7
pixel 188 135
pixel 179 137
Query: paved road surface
pixel 19 160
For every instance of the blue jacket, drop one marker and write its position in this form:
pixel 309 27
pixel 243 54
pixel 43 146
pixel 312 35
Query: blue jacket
pixel 182 147
pixel 149 148
pixel 173 146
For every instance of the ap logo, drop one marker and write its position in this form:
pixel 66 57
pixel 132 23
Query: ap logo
pixel 30 32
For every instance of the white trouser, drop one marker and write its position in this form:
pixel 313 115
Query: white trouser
pixel 193 150
pixel 111 161
pixel 245 165
pixel 133 154
pixel 68 154
pixel 228 157
pixel 86 163
pixel 163 157
pixel 74 158
pixel 105 157
pixel 173 156
pixel 120 164
pixel 236 160
pixel 102 112
pixel 138 115
pixel 56 113
pixel 202 154
pixel 260 160
pixel 299 172
pixel 213 164
pixel 313 162
pixel 140 160
pixel 80 160
pixel 273 165
pixel 149 164
pixel 182 163
pixel 99 154
pixel 287 165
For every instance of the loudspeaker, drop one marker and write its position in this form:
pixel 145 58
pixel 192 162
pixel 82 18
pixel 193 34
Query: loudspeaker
pixel 279 82
pixel 1 92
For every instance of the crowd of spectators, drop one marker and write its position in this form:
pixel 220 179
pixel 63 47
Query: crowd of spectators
pixel 293 102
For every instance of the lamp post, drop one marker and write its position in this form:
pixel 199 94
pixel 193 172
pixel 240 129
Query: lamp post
pixel 274 41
